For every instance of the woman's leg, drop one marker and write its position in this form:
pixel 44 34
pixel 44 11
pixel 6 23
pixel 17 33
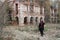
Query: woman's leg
pixel 41 31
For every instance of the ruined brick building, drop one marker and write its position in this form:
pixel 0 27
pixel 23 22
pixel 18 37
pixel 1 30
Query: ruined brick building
pixel 26 11
pixel 31 11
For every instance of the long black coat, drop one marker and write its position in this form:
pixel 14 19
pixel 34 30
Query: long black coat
pixel 41 26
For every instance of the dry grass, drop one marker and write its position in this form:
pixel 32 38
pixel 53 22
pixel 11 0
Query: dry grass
pixel 50 31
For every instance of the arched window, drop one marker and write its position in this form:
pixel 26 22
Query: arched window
pixel 25 20
pixel 16 8
pixel 31 20
pixel 36 20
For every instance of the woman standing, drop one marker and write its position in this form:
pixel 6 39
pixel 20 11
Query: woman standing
pixel 41 27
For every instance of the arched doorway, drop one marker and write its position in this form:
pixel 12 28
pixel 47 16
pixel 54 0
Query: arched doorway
pixel 17 20
pixel 25 20
pixel 31 20
pixel 9 15
pixel 41 18
pixel 36 20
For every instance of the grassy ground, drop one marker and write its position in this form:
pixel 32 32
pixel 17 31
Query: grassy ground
pixel 52 32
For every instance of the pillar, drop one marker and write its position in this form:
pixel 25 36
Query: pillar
pixel 21 18
pixel 28 19
pixel 34 20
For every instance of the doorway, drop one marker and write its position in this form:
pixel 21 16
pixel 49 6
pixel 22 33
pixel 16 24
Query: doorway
pixel 25 20
pixel 31 20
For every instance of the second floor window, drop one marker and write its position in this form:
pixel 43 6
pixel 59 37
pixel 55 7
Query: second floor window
pixel 16 8
pixel 31 1
pixel 26 0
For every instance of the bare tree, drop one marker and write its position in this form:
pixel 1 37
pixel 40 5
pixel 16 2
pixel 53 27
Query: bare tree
pixel 3 15
pixel 46 5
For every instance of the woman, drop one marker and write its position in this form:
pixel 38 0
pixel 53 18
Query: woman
pixel 41 27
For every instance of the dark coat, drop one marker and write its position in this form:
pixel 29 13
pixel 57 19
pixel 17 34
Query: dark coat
pixel 41 25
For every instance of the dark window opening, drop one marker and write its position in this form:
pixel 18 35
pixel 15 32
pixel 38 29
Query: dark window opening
pixel 16 8
pixel 9 15
pixel 26 0
pixel 31 1
pixel 31 8
pixel 31 20
pixel 17 20
pixel 41 18
pixel 25 20
pixel 36 20
pixel 41 11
